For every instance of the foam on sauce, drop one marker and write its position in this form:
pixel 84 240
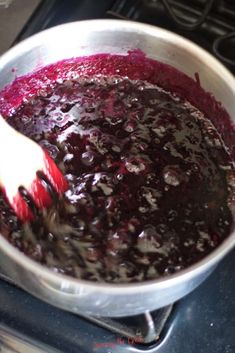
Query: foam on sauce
pixel 151 179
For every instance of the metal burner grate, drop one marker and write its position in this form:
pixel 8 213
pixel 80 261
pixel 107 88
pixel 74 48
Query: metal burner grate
pixel 210 23
pixel 139 329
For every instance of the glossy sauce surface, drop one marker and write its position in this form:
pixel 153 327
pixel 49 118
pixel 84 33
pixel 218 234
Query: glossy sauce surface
pixel 149 178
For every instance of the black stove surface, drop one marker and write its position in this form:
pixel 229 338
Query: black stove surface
pixel 202 322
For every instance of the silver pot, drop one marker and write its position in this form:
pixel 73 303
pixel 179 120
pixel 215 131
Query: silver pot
pixel 116 37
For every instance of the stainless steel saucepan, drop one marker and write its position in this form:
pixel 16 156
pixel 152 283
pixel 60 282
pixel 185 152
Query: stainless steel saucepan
pixel 115 37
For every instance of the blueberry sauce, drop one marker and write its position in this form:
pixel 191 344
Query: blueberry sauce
pixel 151 180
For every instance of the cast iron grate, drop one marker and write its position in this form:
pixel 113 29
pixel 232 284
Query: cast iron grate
pixel 141 329
pixel 210 23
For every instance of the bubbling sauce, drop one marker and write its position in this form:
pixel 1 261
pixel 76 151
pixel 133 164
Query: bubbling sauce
pixel 150 179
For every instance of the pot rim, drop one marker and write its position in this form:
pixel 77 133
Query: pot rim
pixel 115 288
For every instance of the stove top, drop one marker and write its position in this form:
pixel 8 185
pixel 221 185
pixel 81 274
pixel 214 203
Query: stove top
pixel 202 322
